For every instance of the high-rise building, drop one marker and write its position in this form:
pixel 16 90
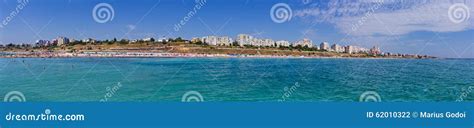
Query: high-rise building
pixel 337 48
pixel 324 46
pixel 375 51
pixel 349 49
pixel 358 49
pixel 62 40
pixel 43 43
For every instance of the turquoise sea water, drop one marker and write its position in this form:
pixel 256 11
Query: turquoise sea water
pixel 236 79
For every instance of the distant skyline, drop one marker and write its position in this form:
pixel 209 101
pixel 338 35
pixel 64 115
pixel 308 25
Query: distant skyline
pixel 436 28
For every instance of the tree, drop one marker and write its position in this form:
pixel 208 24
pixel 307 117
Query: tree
pixel 171 40
pixel 305 48
pixel 179 39
pixel 199 43
pixel 235 43
pixel 123 41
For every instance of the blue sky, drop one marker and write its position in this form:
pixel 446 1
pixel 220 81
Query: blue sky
pixel 395 26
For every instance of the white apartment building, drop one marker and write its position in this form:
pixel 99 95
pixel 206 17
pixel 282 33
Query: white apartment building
pixel 356 49
pixel 146 39
pixel 62 40
pixel 283 43
pixel 256 42
pixel 210 40
pixel 215 40
pixel 269 43
pixel 325 46
pixel 244 39
pixel 375 51
pixel 224 41
pixel 337 48
pixel 305 42
pixel 88 40
pixel 349 49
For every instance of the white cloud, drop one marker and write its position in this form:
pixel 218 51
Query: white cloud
pixel 392 17
pixel 131 27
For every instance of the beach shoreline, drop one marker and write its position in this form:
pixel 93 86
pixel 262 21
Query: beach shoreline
pixel 175 55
